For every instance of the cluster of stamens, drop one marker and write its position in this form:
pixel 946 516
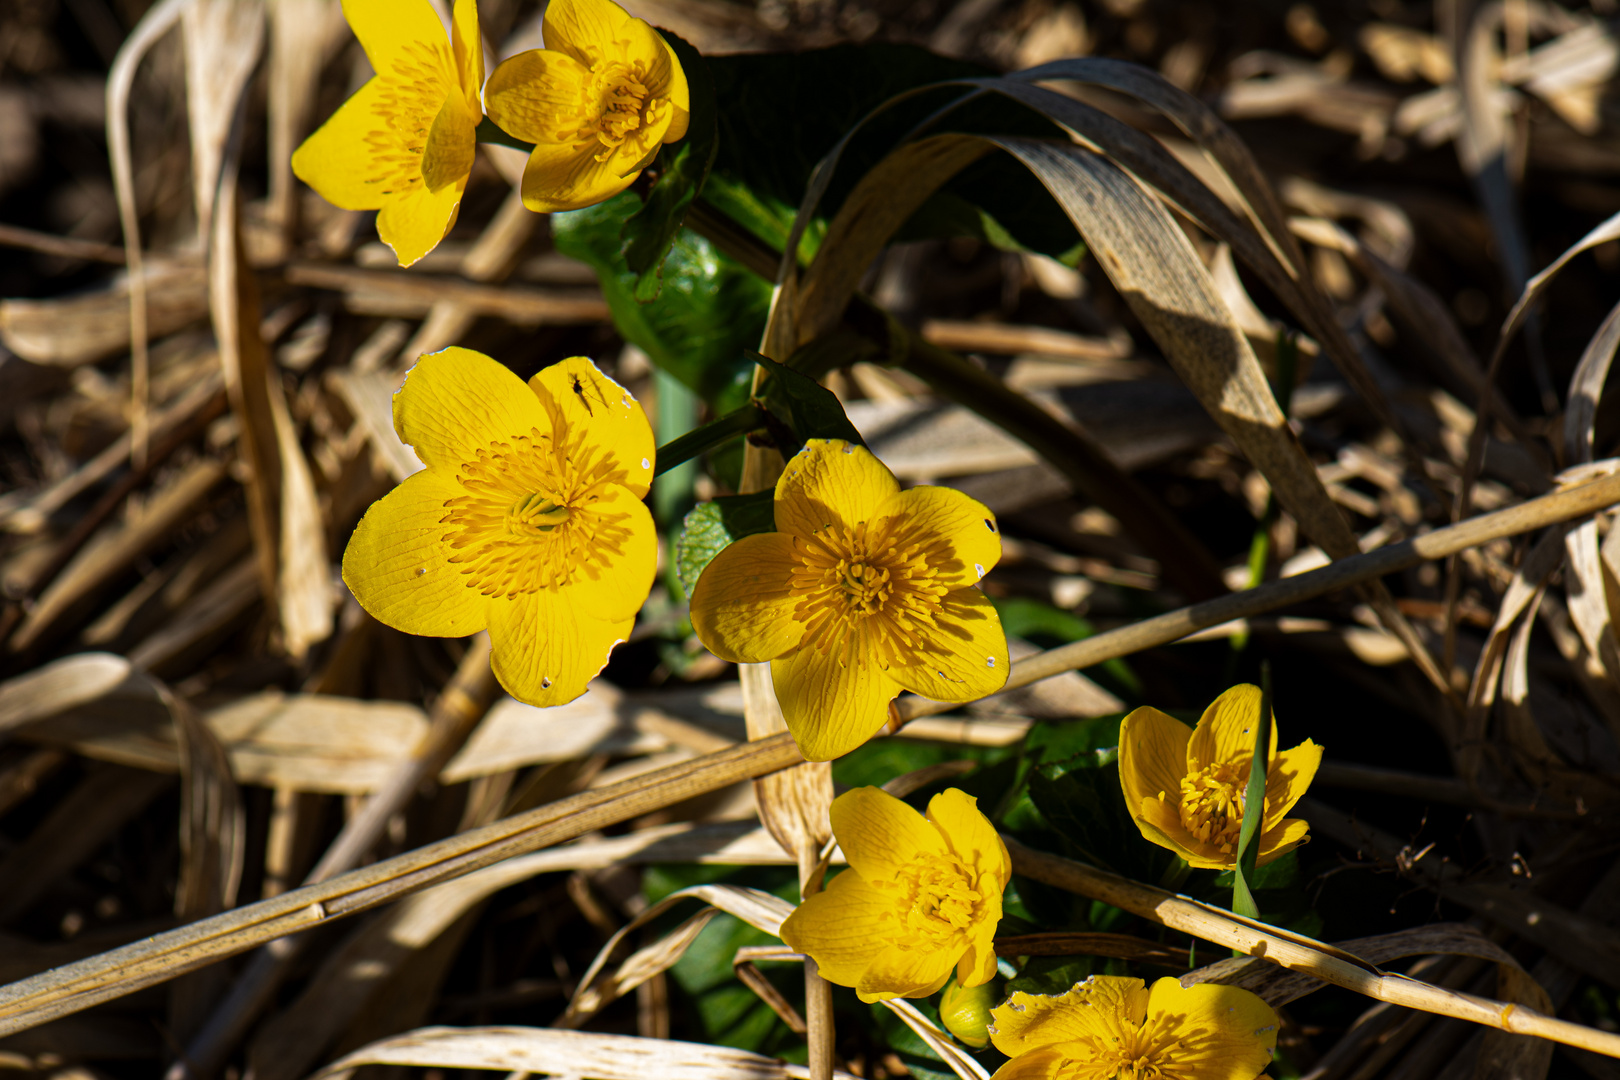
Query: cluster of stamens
pixel 618 95
pixel 934 899
pixel 528 521
pixel 864 584
pixel 414 89
pixel 1212 803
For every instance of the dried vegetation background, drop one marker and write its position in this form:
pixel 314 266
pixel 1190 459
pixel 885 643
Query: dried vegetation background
pixel 194 712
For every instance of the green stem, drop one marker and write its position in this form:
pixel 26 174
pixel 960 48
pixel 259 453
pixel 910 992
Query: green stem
pixel 1254 805
pixel 715 433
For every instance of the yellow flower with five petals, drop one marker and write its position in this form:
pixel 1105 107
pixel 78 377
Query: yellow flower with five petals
pixel 596 102
pixel 527 520
pixel 921 897
pixel 863 590
pixel 403 144
pixel 1185 787
pixel 1112 1027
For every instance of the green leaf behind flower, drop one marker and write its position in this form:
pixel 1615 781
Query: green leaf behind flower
pixel 648 233
pixel 714 524
pixel 707 313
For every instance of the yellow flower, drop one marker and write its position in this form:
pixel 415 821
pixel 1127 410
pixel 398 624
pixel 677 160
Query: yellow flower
pixel 596 102
pixel 1184 787
pixel 528 519
pixel 1108 1027
pixel 920 899
pixel 404 143
pixel 863 591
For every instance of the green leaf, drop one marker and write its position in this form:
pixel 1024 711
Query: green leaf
pixel 813 411
pixel 709 311
pixel 1051 975
pixel 1076 788
pixel 1254 805
pixel 649 232
pixel 712 525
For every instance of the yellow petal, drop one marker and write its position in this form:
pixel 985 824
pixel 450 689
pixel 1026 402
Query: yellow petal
pixel 971 836
pixel 1288 835
pixel 539 96
pixel 396 563
pixel 562 176
pixel 831 482
pixel 1287 778
pixel 909 972
pixel 338 161
pixel 615 584
pixel 605 426
pixel 1046 1063
pixel 1229 1033
pixel 466 43
pixel 413 224
pixel 1160 823
pixel 545 648
pixel 1026 1022
pixel 842 929
pixel 589 30
pixel 879 834
pixel 963 656
pixel 451 144
pixel 1152 757
pixel 676 92
pixel 396 31
pixel 1226 730
pixel 742 609
pixel 966 534
pixel 455 402
pixel 978 965
pixel 831 707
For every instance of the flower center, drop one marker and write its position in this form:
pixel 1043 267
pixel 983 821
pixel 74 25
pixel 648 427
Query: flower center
pixel 528 519
pixel 934 900
pixel 865 583
pixel 622 104
pixel 1212 803
pixel 534 514
pixel 412 92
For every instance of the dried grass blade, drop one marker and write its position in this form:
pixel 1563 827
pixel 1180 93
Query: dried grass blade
pixel 1152 264
pixel 59 686
pixel 305 581
pixel 597 987
pixel 568 1053
pixel 1285 271
pixel 223 41
pixel 157 21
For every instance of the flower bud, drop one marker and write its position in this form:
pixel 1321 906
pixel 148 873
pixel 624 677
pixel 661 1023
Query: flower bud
pixel 965 1012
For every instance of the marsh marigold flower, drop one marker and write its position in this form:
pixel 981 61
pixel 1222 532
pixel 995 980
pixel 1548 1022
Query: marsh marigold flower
pixel 863 590
pixel 1185 786
pixel 403 144
pixel 597 102
pixel 921 897
pixel 528 519
pixel 1111 1027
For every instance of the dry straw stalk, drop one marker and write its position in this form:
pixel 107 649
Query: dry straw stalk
pixel 77 986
